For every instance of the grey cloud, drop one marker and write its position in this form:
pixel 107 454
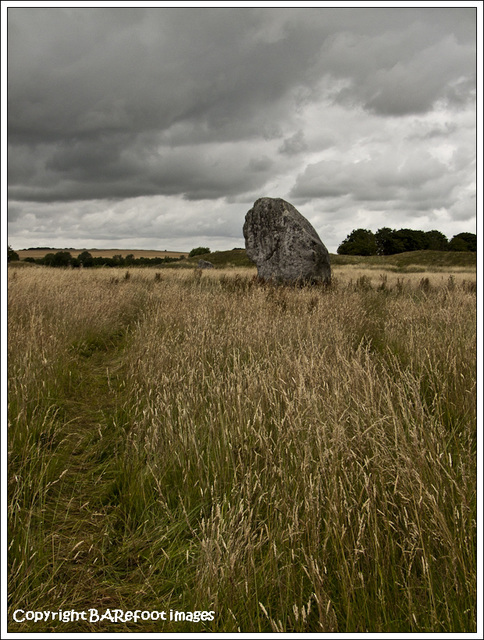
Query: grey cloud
pixel 168 66
pixel 205 104
pixel 400 71
pixel 86 71
pixel 464 209
pixel 294 144
pixel 437 131
pixel 75 170
pixel 262 163
pixel 414 87
pixel 138 222
pixel 82 100
pixel 382 178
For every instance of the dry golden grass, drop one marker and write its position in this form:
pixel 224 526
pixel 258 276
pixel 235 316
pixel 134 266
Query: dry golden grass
pixel 297 460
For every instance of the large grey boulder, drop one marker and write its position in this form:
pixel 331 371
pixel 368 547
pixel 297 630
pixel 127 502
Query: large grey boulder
pixel 283 244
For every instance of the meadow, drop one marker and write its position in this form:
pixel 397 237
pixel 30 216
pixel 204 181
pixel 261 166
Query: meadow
pixel 103 253
pixel 292 459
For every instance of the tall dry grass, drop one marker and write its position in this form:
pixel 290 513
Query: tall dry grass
pixel 294 459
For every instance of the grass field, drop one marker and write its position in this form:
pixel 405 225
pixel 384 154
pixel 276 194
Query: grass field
pixel 410 261
pixel 294 460
pixel 414 261
pixel 103 253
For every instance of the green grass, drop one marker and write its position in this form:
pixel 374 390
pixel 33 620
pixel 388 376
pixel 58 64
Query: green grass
pixel 233 258
pixel 295 460
pixel 411 260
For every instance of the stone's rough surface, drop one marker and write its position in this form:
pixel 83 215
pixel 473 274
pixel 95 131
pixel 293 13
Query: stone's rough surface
pixel 205 264
pixel 283 244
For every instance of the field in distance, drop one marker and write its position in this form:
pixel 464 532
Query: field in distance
pixel 104 253
pixel 413 261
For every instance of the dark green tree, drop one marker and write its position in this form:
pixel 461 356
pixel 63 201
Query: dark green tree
pixel 463 242
pixel 359 242
pixel 391 241
pixel 436 241
pixel 198 251
pixel 48 259
pixel 118 260
pixel 86 259
pixel 385 242
pixel 12 255
pixel 60 259
pixel 410 239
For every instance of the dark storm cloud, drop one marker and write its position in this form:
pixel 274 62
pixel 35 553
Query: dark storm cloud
pixel 92 71
pixel 88 82
pixel 108 104
pixel 79 169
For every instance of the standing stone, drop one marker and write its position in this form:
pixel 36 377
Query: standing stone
pixel 283 244
pixel 204 264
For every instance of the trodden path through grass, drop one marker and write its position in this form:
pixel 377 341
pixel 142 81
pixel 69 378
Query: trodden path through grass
pixel 79 512
pixel 92 559
pixel 72 543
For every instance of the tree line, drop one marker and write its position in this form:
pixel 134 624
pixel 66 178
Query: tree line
pixel 387 242
pixel 85 259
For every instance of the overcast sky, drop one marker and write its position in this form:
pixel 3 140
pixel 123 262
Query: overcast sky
pixel 159 127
